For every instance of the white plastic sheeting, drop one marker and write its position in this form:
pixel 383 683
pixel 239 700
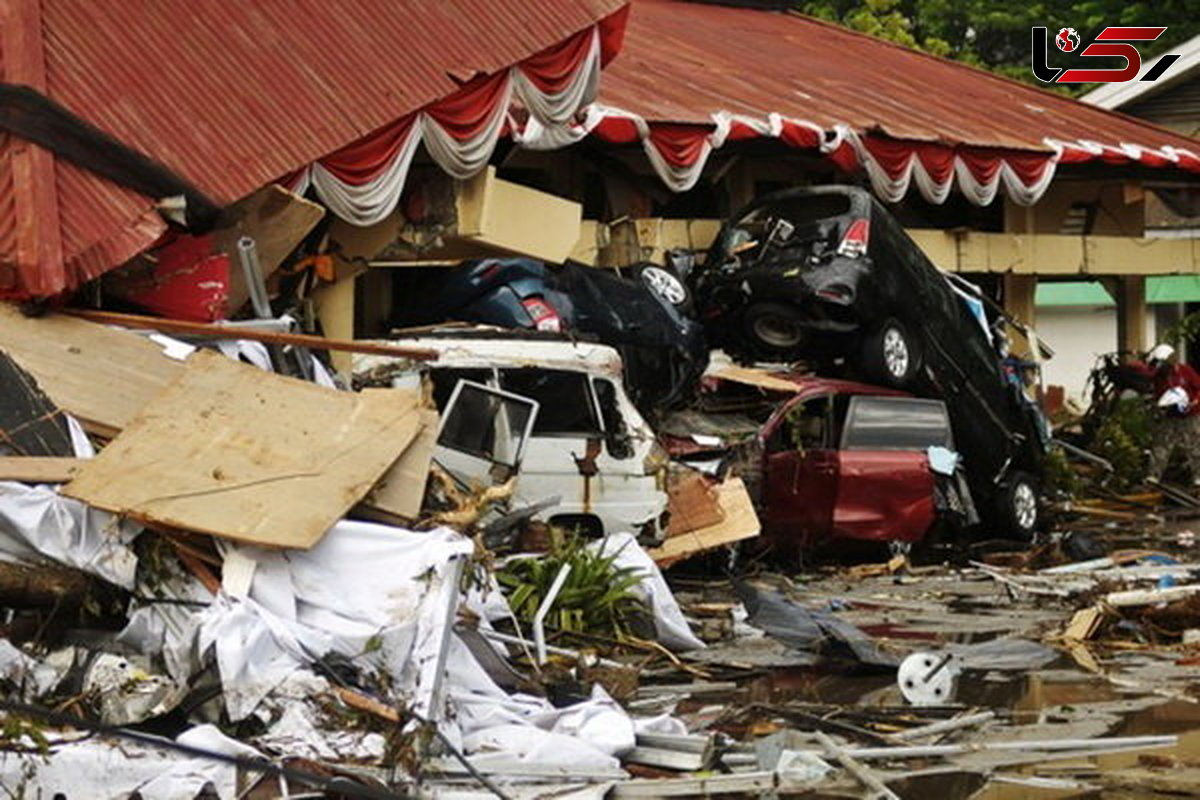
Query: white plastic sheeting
pixel 669 622
pixel 104 769
pixel 37 523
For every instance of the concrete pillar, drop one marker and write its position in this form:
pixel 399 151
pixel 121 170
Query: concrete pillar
pixel 1019 303
pixel 1131 313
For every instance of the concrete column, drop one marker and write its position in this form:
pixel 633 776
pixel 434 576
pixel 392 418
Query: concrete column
pixel 1131 313
pixel 1019 303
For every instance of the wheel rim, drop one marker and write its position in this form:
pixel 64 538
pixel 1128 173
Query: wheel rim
pixel 895 353
pixel 777 331
pixel 1025 506
pixel 665 285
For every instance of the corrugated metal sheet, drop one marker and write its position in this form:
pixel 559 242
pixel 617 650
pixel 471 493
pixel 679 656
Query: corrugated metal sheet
pixel 234 95
pixel 684 61
pixel 1178 105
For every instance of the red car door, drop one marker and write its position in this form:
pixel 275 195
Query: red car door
pixel 883 495
pixel 800 474
pixel 885 487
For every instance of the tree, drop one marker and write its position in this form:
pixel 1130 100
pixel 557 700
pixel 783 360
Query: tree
pixel 994 34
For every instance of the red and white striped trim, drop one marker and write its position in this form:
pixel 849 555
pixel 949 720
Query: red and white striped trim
pixel 678 153
pixel 362 183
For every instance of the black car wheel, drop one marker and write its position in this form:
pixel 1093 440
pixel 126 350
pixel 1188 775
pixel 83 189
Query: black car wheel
pixel 665 283
pixel 1018 510
pixel 774 330
pixel 891 355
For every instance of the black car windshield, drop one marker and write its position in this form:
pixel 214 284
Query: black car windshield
pixel 812 222
pixel 896 423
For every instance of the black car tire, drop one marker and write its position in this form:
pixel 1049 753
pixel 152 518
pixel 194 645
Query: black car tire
pixel 1018 507
pixel 891 355
pixel 773 331
pixel 666 283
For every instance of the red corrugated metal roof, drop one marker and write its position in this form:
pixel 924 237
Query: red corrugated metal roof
pixel 234 95
pixel 683 62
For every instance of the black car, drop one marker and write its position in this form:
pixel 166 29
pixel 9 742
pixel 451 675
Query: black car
pixel 827 275
pixel 664 352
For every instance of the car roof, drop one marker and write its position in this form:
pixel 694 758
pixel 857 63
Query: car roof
pixel 500 350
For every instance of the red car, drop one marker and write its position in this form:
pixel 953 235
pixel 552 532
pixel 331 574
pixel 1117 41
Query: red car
pixel 844 460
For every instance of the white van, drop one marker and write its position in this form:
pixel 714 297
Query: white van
pixel 589 445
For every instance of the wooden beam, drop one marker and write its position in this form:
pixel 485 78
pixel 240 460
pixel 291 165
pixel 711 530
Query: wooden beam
pixel 211 331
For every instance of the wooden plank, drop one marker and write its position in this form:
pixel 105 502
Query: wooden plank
pixel 740 522
pixel 755 377
pixel 213 331
pixel 693 504
pixel 39 469
pixel 101 376
pixel 398 495
pixel 235 452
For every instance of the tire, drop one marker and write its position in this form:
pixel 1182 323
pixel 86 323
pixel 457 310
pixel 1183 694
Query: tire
pixel 773 331
pixel 891 355
pixel 665 283
pixel 1018 508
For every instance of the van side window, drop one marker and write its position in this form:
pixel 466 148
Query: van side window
pixel 806 426
pixel 444 381
pixel 896 423
pixel 566 401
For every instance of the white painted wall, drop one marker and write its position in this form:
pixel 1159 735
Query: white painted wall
pixel 1078 335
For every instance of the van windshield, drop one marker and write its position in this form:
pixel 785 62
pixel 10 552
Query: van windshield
pixel 896 423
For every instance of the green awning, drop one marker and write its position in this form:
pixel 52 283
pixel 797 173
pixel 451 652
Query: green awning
pixel 1159 289
pixel 1072 293
pixel 1173 289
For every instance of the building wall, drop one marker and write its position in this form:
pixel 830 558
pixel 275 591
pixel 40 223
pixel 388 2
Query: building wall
pixel 1079 334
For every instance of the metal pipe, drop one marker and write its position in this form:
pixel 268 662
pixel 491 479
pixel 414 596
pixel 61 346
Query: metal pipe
pixel 539 630
pixel 252 271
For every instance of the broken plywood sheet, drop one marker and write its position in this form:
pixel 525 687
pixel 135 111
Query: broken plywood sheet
pixel 755 377
pixel 398 495
pixel 740 522
pixel 100 375
pixel 39 469
pixel 232 451
pixel 693 504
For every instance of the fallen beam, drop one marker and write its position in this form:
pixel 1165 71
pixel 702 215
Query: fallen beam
pixel 39 469
pixel 216 331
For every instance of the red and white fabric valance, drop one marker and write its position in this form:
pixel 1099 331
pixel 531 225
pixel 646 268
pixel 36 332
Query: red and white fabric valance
pixel 678 153
pixel 362 183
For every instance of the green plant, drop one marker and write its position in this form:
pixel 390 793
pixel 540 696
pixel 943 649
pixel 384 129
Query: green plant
pixel 1123 438
pixel 1182 331
pixel 596 597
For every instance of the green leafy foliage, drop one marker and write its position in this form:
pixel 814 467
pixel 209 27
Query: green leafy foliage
pixel 1185 330
pixel 994 34
pixel 1124 437
pixel 597 596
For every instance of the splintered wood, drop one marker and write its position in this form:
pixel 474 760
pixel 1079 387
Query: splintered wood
pixel 102 376
pixel 235 452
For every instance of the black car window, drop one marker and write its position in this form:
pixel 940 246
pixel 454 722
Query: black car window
pixel 896 423
pixel 444 381
pixel 806 426
pixel 566 401
pixel 485 424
